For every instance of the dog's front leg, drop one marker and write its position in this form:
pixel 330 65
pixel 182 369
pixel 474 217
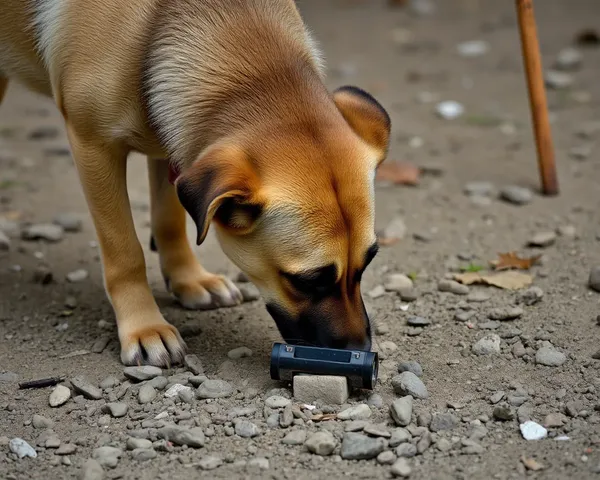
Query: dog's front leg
pixel 145 335
pixel 190 283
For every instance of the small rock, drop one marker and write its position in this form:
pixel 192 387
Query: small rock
pixel 116 409
pixel 471 447
pixel 479 189
pixel 397 282
pixel 91 470
pixel 21 448
pixel 589 130
pixel 478 296
pixel 407 383
pixel 42 275
pixel 473 48
pixel 136 443
pixel 594 280
pixel 453 287
pixel 66 449
pixel 142 373
pixel 554 420
pixel 531 296
pixel 533 431
pixel 378 291
pixel 331 390
pixel 386 457
pixel 377 430
pixel 210 462
pixel 193 364
pixel 246 429
pixel 443 421
pixel 277 401
pixel 505 313
pixel 580 152
pixel 399 435
pixel 443 445
pixel 558 80
pixel 401 468
pixel 214 389
pixel 550 357
pixel 144 454
pixel 449 109
pixel 542 239
pixel 496 397
pixel 107 457
pixel 396 229
pixel 101 343
pixel 146 394
pixel 240 352
pixel 287 417
pixel 568 59
pixel 82 386
pixel 70 222
pixel 356 446
pixel 192 437
pixel 487 345
pixel 77 276
pixel 355 425
pixel 418 321
pixel 43 231
pixel 321 443
pixel 424 442
pixel 41 422
pixel 261 463
pixel 503 413
pixel 357 412
pixel 411 366
pixel 176 389
pixel 516 195
pixel 295 437
pixel 59 396
pixel 401 411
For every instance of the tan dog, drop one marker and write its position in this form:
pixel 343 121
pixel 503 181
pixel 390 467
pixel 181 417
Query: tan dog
pixel 230 91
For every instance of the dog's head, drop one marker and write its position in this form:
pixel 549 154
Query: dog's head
pixel 294 209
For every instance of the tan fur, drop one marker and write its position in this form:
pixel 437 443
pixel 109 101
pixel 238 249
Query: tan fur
pixel 231 91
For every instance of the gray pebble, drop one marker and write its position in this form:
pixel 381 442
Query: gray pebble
pixel 273 420
pixel 142 373
pixel 77 276
pixel 357 412
pixel 146 394
pixel 91 470
pixel 143 454
pixel 443 445
pixel 135 443
pixel 160 382
pixel 59 396
pixel 386 457
pixel 43 231
pixel 471 447
pixel 479 189
pixel 21 448
pixel 287 417
pixel 407 383
pixel 406 450
pixel 401 411
pixel 277 401
pixel 192 437
pixel 399 435
pixel 295 437
pixel 356 446
pixel 70 222
pixel 558 80
pixel 101 343
pixel 186 395
pixel 503 413
pixel 478 296
pixel 542 239
pixel 107 457
pixel 246 429
pixel 377 430
pixel 401 468
pixel 531 296
pixel 396 229
pixel 397 282
pixel 193 364
pixel 453 287
pixel 214 389
pixel 424 419
pixel 418 321
pixel 66 449
pixel 197 380
pixel 355 425
pixel 550 357
pixel 82 386
pixel 516 195
pixel 261 463
pixel 568 59
pixel 249 292
pixel 41 422
pixel 411 366
pixel 210 462
pixel 464 315
pixel 443 421
pixel 505 313
pixel 321 443
pixel 116 409
pixel 424 442
pixel 378 291
pixel 487 345
pixel 594 279
pixel 375 400
pixel 496 397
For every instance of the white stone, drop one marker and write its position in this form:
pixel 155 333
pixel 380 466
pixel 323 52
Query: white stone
pixel 533 431
pixel 174 390
pixel 329 389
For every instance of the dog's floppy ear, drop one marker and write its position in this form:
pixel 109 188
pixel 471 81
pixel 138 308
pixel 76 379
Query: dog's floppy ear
pixel 366 117
pixel 221 184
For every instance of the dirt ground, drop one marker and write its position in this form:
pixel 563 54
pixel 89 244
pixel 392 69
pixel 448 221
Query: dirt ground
pixel 410 63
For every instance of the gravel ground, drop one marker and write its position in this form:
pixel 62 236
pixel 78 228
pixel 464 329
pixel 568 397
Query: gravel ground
pixel 476 382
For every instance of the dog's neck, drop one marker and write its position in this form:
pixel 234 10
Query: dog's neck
pixel 237 75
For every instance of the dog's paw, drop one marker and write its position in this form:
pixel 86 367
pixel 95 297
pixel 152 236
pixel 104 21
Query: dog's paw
pixel 200 290
pixel 154 343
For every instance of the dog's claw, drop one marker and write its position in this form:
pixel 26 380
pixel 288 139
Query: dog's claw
pixel 207 291
pixel 158 344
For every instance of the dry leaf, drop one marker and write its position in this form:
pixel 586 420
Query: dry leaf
pixel 508 280
pixel 512 260
pixel 532 464
pixel 399 173
pixel 323 417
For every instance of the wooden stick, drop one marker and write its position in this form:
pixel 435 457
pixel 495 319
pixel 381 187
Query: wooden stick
pixel 537 96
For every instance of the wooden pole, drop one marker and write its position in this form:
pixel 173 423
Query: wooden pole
pixel 537 96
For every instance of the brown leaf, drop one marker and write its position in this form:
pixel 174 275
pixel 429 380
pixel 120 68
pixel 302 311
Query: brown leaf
pixel 398 173
pixel 510 260
pixel 507 280
pixel 323 417
pixel 532 464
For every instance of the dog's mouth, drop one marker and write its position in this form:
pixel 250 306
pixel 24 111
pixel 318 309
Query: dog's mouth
pixel 313 332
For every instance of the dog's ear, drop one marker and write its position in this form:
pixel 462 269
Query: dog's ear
pixel 366 117
pixel 221 185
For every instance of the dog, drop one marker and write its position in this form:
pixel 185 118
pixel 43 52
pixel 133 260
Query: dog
pixel 226 99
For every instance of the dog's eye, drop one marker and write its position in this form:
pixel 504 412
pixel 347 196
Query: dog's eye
pixel 313 282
